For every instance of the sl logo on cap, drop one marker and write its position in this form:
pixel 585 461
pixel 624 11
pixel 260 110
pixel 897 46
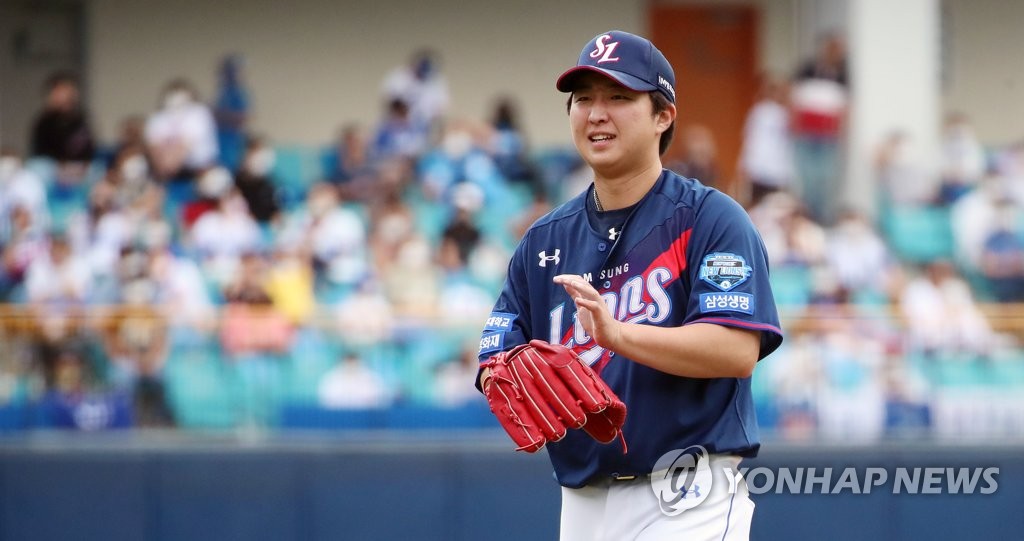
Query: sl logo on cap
pixel 604 51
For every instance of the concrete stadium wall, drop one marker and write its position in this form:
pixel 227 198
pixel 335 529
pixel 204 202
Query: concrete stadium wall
pixel 445 486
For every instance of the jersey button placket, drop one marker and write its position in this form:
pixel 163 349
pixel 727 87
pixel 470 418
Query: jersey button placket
pixel 601 247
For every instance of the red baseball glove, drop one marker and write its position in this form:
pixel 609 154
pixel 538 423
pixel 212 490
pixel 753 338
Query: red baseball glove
pixel 539 390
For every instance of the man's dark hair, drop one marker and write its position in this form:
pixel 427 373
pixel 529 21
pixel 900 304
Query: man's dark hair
pixel 659 103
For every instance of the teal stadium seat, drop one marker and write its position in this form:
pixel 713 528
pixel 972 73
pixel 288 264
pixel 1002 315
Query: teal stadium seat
pixel 199 392
pixel 791 285
pixel 296 168
pixel 919 234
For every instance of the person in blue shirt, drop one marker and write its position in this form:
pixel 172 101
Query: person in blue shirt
pixel 660 284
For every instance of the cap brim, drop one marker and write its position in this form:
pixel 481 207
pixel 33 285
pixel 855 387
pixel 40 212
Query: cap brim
pixel 565 81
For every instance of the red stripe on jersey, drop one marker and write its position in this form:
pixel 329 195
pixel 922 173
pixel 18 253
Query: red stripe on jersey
pixel 674 258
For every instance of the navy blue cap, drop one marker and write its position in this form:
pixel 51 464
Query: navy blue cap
pixel 632 61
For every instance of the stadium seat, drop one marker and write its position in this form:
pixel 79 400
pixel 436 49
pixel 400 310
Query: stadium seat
pixel 296 168
pixel 919 234
pixel 198 391
pixel 791 285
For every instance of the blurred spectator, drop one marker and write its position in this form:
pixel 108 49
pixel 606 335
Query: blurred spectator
pixel 212 185
pixel 145 217
pixel 254 181
pixel 698 160
pixel 1009 166
pixel 334 234
pixel 851 405
pixel 353 385
pixel 963 158
pixel 75 402
pixel 766 159
pixel 365 318
pixel 58 276
pixel 250 323
pixel 100 231
pixel 941 314
pixel 128 175
pixel 347 162
pixel 450 380
pixel 1002 256
pixel 137 339
pixel 412 283
pixel 392 221
pixel 859 259
pixel 20 187
pixel 181 136
pixel 973 218
pixel 507 144
pixel 249 284
pixel 231 112
pixel 460 159
pixel 397 135
pixel 221 236
pixel 23 242
pixel 421 85
pixel 181 290
pixel 819 99
pixel 904 176
pixel 539 206
pixel 131 133
pixel 790 236
pixel 61 131
pixel 463 234
pixel 290 283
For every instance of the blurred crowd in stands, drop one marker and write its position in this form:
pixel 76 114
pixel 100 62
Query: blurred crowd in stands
pixel 193 273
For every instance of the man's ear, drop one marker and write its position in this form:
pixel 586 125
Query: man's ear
pixel 665 118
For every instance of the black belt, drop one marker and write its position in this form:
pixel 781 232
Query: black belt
pixel 605 481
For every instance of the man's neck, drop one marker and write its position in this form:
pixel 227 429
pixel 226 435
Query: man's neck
pixel 617 192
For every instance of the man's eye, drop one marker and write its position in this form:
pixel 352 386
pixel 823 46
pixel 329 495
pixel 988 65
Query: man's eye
pixel 582 98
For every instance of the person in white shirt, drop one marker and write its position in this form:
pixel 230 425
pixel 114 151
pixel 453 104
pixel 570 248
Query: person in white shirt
pixel 767 155
pixel 182 135
pixel 353 385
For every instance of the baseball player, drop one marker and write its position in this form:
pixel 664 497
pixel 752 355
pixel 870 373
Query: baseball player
pixel 659 286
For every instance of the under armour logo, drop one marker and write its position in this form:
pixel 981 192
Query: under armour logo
pixel 544 257
pixel 604 51
pixel 612 233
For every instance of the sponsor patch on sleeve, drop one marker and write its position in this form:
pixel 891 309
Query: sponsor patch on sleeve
pixel 724 270
pixel 493 341
pixel 727 302
pixel 499 321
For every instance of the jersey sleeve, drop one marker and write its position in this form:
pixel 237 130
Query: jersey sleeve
pixel 508 324
pixel 728 272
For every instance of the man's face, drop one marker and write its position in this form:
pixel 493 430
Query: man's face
pixel 614 128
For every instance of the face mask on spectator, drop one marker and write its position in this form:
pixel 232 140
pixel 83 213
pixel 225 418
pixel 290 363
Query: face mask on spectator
pixel 177 99
pixel 9 166
pixel 260 162
pixel 320 206
pixel 134 168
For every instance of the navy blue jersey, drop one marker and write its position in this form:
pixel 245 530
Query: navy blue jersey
pixel 685 254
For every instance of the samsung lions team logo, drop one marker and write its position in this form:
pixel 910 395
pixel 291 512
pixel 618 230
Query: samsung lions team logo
pixel 604 50
pixel 681 479
pixel 724 271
